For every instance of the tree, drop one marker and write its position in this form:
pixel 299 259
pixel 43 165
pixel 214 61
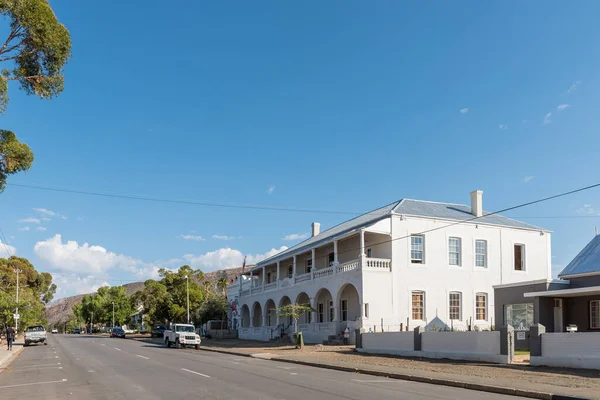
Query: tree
pixel 214 307
pixel 34 54
pixel 295 311
pixel 222 282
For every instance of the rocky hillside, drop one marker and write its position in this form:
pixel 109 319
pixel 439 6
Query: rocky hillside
pixel 61 310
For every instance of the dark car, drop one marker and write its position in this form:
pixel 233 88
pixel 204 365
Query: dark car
pixel 77 331
pixel 118 333
pixel 158 331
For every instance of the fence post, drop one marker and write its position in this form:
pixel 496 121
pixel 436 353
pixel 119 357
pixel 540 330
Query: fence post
pixel 358 338
pixel 417 332
pixel 507 342
pixel 535 339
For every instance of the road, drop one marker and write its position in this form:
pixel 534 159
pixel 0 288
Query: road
pixel 94 367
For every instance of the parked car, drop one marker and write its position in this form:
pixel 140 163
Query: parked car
pixel 35 334
pixel 117 332
pixel 77 331
pixel 54 330
pixel 158 331
pixel 182 335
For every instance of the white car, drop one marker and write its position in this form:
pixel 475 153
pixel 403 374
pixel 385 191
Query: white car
pixel 54 330
pixel 181 335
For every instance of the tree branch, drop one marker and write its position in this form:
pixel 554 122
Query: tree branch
pixel 13 34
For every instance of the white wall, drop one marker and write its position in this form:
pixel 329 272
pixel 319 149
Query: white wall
pixel 573 350
pixel 461 342
pixel 437 278
pixel 389 341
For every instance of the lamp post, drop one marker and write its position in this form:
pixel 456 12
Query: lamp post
pixel 17 270
pixel 113 303
pixel 187 289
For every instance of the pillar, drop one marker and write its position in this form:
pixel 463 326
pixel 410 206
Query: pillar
pixel 418 330
pixel 264 274
pixel 535 339
pixel 251 280
pixel 278 268
pixel 507 342
pixel 240 284
pixel 313 265
pixel 362 242
pixel 335 256
pixel 294 275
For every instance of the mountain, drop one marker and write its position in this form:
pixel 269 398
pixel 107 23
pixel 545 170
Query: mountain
pixel 61 310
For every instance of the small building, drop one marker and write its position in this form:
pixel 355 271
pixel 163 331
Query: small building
pixel 410 263
pixel 571 300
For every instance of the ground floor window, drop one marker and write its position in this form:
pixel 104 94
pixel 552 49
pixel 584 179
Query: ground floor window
pixel 454 305
pixel 519 316
pixel 344 310
pixel 418 300
pixel 595 314
pixel 321 312
pixel 481 306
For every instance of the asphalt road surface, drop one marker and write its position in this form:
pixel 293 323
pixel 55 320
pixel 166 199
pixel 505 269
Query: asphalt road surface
pixel 92 367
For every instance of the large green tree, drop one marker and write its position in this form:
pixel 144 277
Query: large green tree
pixel 34 55
pixel 35 289
pixel 98 307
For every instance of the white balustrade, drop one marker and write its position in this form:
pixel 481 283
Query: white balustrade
pixel 245 292
pixel 321 273
pixel 303 327
pixel 256 331
pixel 302 278
pixel 270 286
pixel 379 263
pixel 258 289
pixel 348 266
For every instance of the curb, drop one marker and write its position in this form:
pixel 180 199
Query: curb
pixel 415 378
pixel 6 362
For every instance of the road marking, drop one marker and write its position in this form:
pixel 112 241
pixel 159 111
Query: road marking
pixel 117 349
pixel 41 365
pixel 235 362
pixel 287 367
pixel 378 381
pixel 145 358
pixel 293 373
pixel 34 383
pixel 91 370
pixel 194 372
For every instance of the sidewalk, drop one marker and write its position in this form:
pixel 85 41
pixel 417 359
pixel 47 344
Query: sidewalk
pixel 520 380
pixel 6 357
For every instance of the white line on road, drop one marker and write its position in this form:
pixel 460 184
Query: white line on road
pixel 41 365
pixel 117 349
pixel 235 362
pixel 34 383
pixel 145 358
pixel 293 373
pixel 194 372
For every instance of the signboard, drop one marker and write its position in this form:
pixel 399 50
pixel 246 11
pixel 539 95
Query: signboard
pixel 520 335
pixel 16 316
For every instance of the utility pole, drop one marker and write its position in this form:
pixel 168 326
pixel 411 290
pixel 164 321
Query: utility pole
pixel 17 308
pixel 113 303
pixel 187 288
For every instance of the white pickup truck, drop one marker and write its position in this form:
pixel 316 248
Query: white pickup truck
pixel 35 334
pixel 181 335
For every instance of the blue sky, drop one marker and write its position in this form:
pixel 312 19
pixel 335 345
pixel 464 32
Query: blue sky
pixel 340 105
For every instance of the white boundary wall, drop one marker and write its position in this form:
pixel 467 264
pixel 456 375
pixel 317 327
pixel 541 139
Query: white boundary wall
pixel 471 346
pixel 573 350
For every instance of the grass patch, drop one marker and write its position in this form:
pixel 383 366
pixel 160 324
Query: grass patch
pixel 521 352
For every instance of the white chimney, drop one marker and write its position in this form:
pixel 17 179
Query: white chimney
pixel 477 203
pixel 316 228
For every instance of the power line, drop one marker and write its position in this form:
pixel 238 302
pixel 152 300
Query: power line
pixel 181 201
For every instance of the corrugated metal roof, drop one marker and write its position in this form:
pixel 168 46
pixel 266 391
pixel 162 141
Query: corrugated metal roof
pixel 421 208
pixel 588 260
pixel 460 212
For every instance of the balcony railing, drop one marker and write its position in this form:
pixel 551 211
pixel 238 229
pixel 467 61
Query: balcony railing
pixel 369 264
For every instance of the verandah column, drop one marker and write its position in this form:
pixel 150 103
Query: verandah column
pixel 264 274
pixel 362 254
pixel 312 268
pixel 278 268
pixel 335 256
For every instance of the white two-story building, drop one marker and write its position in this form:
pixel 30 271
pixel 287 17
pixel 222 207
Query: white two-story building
pixel 409 263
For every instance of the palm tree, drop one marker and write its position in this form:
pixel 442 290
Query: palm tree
pixel 208 285
pixel 222 283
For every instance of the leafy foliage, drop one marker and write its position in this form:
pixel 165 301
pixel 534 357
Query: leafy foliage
pixel 14 156
pixel 214 307
pixel 295 311
pixel 35 289
pixel 99 306
pixel 35 53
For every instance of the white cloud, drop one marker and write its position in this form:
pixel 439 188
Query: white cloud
pixel 223 237
pixel 6 250
pixel 547 119
pixel 63 217
pixel 587 209
pixel 573 87
pixel 227 258
pixel 271 189
pixel 563 107
pixel 464 110
pixel 191 237
pixel 503 127
pixel 528 179
pixel 72 284
pixel 295 236
pixel 30 220
pixel 40 228
pixel 72 257
pixel 25 228
pixel 45 211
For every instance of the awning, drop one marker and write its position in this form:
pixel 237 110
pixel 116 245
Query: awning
pixel 585 291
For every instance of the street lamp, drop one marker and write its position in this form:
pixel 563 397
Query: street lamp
pixel 187 289
pixel 113 303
